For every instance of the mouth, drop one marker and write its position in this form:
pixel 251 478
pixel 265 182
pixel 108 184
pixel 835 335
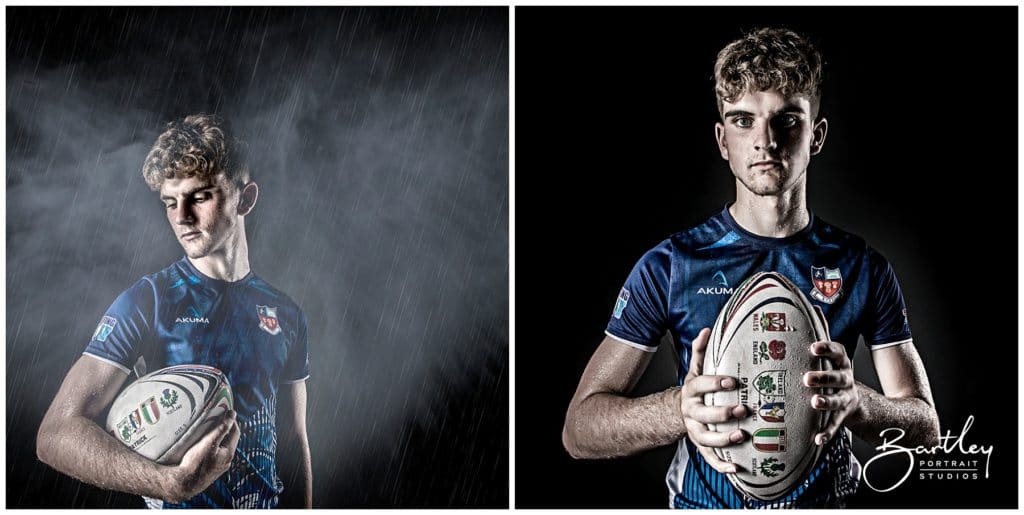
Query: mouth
pixel 189 236
pixel 764 165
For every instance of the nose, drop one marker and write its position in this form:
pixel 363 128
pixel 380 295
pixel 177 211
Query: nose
pixel 183 215
pixel 766 140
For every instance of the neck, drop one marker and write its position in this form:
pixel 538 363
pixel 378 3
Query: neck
pixel 771 216
pixel 230 263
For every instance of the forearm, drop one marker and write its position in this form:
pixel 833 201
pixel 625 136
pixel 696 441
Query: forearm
pixel 877 412
pixel 79 448
pixel 306 477
pixel 605 425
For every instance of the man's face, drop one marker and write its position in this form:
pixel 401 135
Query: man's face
pixel 203 213
pixel 769 139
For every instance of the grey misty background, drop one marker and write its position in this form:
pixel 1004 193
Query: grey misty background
pixel 379 138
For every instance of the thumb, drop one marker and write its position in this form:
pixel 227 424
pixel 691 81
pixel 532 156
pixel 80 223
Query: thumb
pixel 700 344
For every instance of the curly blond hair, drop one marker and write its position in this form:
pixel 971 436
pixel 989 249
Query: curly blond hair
pixel 769 58
pixel 197 146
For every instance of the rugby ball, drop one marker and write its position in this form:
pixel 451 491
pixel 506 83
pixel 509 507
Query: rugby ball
pixel 162 414
pixel 762 337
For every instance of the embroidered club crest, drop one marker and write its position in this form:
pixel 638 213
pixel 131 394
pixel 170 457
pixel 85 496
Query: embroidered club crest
pixel 268 319
pixel 828 284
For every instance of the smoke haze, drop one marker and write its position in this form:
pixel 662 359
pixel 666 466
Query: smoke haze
pixel 379 139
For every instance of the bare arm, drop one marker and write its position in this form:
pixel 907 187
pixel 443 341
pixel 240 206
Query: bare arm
pixel 293 399
pixel 603 423
pixel 70 441
pixel 906 401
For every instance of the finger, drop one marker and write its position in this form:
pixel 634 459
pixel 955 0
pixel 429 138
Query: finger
pixel 223 427
pixel 699 385
pixel 832 351
pixel 701 435
pixel 700 344
pixel 230 440
pixel 828 379
pixel 216 435
pixel 830 430
pixel 716 463
pixel 206 445
pixel 716 414
pixel 835 402
pixel 225 452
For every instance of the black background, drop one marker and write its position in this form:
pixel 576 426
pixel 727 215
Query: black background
pixel 379 139
pixel 615 151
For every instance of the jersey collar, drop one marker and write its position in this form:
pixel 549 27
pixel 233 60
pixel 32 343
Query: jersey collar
pixel 197 277
pixel 765 241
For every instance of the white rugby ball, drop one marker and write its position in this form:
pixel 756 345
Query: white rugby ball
pixel 762 337
pixel 161 415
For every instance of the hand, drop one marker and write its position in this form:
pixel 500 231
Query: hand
pixel 844 398
pixel 696 414
pixel 205 461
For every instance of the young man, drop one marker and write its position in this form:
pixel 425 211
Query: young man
pixel 768 89
pixel 207 308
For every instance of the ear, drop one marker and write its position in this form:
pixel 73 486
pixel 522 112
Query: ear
pixel 720 139
pixel 818 137
pixel 247 199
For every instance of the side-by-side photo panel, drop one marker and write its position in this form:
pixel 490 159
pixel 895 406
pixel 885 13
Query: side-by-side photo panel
pixel 257 257
pixel 742 271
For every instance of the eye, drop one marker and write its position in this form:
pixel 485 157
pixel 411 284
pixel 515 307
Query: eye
pixel 200 197
pixel 787 121
pixel 743 122
pixel 170 205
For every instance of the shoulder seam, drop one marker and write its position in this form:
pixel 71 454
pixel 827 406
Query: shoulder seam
pixel 156 297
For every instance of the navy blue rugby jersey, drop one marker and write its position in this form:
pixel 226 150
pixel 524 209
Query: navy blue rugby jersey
pixel 681 285
pixel 252 332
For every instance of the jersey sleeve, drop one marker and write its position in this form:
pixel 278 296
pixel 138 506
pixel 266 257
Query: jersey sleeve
pixel 886 324
pixel 296 368
pixel 119 337
pixel 640 315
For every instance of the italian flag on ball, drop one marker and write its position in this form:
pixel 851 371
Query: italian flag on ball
pixel 770 440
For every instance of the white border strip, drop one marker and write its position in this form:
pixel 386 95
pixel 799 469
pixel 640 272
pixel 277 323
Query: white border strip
pixel 105 360
pixel 635 345
pixel 891 344
pixel 511 257
pixel 293 381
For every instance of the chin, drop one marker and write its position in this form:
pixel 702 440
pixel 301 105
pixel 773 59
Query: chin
pixel 764 184
pixel 765 188
pixel 195 252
